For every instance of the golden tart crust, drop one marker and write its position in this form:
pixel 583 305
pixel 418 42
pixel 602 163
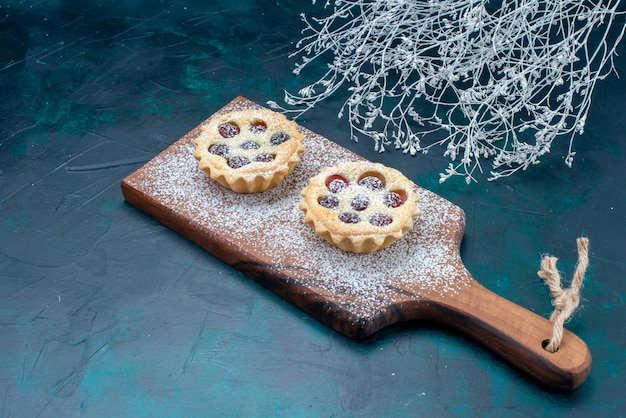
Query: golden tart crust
pixel 360 207
pixel 249 151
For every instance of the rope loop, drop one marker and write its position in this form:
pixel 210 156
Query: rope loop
pixel 564 301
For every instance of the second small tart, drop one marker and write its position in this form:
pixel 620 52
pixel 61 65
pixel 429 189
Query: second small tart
pixel 360 207
pixel 249 151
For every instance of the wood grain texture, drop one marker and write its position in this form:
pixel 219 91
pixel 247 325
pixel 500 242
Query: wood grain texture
pixel 420 277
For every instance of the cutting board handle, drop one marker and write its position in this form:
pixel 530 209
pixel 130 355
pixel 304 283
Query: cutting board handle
pixel 516 334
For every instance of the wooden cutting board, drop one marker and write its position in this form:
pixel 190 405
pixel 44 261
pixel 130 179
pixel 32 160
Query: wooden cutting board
pixel 419 277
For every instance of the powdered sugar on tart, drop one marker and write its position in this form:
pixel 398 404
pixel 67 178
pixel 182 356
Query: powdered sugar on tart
pixel 360 207
pixel 248 151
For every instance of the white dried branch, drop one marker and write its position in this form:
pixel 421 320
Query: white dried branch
pixel 500 79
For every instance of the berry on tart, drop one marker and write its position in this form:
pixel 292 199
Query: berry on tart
pixel 248 151
pixel 360 207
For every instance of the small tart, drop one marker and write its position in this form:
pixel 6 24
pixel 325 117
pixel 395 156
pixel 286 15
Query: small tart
pixel 249 151
pixel 360 207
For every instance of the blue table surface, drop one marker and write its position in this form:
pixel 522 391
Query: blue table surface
pixel 105 312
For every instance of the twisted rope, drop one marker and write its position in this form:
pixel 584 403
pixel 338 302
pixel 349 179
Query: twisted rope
pixel 565 301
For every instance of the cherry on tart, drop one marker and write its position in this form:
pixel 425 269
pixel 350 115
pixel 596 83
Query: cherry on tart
pixel 360 207
pixel 248 151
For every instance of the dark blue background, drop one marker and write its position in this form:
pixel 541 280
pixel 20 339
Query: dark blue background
pixel 105 312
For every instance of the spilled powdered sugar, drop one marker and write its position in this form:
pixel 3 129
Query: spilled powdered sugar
pixel 269 224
